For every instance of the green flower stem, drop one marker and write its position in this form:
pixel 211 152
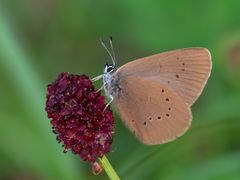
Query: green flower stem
pixel 108 168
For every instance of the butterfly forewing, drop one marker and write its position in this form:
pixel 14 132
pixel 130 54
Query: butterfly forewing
pixel 151 110
pixel 185 70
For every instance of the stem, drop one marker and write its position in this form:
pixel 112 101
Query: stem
pixel 108 168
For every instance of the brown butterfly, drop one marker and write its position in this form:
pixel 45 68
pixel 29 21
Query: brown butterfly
pixel 153 95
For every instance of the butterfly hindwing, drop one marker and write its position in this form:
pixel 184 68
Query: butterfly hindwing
pixel 152 111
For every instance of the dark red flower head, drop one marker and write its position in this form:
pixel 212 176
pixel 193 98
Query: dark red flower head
pixel 78 116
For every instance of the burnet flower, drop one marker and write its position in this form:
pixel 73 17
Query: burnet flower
pixel 79 117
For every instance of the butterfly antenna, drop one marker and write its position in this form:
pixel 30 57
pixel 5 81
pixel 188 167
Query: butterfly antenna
pixel 111 44
pixel 105 47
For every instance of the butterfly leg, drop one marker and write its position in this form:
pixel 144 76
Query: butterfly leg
pixel 97 78
pixel 100 88
pixel 108 104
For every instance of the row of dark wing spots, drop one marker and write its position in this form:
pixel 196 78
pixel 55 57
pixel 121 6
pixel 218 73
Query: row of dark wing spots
pixel 177 75
pixel 159 117
pixel 167 115
pixel 144 123
pixel 183 69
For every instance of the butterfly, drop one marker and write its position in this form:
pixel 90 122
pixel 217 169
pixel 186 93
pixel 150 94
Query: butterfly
pixel 153 95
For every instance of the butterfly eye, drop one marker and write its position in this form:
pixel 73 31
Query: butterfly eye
pixel 110 68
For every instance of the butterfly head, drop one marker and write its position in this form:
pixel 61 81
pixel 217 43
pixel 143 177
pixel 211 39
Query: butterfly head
pixel 109 69
pixel 110 80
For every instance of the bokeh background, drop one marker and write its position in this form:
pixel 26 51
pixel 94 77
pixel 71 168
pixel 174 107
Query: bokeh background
pixel 41 38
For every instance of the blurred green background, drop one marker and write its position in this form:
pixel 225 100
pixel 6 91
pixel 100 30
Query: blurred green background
pixel 41 38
